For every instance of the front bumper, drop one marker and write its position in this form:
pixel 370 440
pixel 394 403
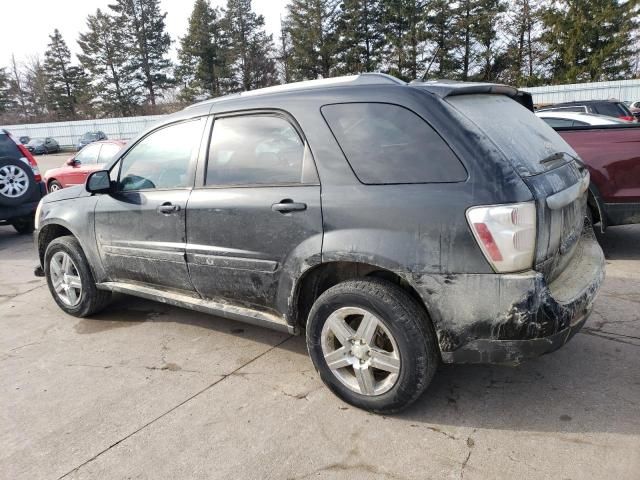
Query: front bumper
pixel 493 318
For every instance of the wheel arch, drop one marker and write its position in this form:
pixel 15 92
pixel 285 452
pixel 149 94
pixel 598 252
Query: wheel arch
pixel 323 276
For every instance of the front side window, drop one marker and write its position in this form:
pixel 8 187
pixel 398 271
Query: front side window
pixel 89 155
pixel 386 144
pixel 255 150
pixel 162 159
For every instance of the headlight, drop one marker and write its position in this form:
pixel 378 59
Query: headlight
pixel 36 222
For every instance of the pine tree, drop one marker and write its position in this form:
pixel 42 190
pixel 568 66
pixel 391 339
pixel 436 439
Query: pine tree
pixel 202 56
pixel 251 49
pixel 443 33
pixel 311 26
pixel 143 28
pixel 5 95
pixel 524 51
pixel 104 55
pixel 284 52
pixel 405 34
pixel 361 36
pixel 589 40
pixel 66 83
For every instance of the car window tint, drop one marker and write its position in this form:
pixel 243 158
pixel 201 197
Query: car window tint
pixel 107 152
pixel 386 143
pixel 558 122
pixel 89 155
pixel 577 123
pixel 254 150
pixel 161 159
pixel 8 147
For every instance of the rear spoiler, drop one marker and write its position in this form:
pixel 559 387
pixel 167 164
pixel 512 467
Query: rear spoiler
pixel 450 88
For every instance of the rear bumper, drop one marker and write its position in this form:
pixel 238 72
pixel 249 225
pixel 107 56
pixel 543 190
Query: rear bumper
pixel 507 318
pixel 9 213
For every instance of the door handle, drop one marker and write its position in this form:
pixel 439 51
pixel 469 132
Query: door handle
pixel 168 208
pixel 287 206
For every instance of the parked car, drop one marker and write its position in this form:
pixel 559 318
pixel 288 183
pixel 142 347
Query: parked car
pixel 576 119
pixel 43 145
pixel 612 155
pixel 76 169
pixel 21 186
pixel 90 137
pixel 24 139
pixel 611 108
pixel 398 225
pixel 634 108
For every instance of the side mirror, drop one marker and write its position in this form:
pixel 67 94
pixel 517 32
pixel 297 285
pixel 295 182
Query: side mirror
pixel 99 182
pixel 71 162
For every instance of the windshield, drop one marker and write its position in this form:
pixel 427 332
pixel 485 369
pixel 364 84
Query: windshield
pixel 36 141
pixel 524 138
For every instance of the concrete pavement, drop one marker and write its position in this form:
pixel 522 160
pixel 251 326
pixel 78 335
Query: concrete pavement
pixel 148 391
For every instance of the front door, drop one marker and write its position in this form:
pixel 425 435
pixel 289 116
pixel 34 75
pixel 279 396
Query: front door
pixel 140 228
pixel 256 219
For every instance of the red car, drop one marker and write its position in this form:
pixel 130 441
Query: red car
pixel 75 170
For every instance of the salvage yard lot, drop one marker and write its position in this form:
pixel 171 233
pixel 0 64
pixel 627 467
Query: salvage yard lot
pixel 148 391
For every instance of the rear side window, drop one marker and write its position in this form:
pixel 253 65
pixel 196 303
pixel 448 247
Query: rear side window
pixel 387 144
pixel 256 150
pixel 8 147
pixel 612 109
pixel 558 122
pixel 108 151
pixel 89 155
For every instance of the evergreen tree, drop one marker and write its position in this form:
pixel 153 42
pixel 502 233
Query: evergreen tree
pixel 66 83
pixel 485 34
pixel 5 95
pixel 361 36
pixel 284 54
pixel 142 26
pixel 443 33
pixel 406 34
pixel 524 51
pixel 252 51
pixel 104 55
pixel 589 40
pixel 311 26
pixel 202 56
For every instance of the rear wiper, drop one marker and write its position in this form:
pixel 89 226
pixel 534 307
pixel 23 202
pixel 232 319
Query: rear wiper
pixel 559 156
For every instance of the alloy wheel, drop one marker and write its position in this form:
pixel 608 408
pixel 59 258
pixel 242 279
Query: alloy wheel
pixel 65 279
pixel 360 351
pixel 14 181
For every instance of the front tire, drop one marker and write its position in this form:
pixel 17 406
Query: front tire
pixel 372 344
pixel 54 186
pixel 70 279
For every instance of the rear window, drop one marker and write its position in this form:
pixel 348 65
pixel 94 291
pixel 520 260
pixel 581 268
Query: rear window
pixel 523 138
pixel 612 109
pixel 387 144
pixel 8 147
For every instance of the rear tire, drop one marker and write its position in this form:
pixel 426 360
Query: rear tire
pixel 70 280
pixel 24 225
pixel 403 368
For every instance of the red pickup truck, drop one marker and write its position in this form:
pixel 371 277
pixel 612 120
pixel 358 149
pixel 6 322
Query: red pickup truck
pixel 612 154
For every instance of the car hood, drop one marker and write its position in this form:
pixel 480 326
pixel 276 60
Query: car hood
pixel 66 194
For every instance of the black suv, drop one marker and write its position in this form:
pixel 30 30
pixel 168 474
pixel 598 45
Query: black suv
pixel 398 225
pixel 21 186
pixel 610 108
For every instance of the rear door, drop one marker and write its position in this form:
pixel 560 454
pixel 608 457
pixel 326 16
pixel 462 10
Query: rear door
pixel 257 210
pixel 140 228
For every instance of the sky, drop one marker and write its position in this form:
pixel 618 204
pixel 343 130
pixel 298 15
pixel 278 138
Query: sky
pixel 26 25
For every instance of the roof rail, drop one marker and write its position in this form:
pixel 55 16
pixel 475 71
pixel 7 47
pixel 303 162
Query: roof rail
pixel 361 79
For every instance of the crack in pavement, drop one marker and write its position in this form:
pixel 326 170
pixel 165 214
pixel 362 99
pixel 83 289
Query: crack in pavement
pixel 175 407
pixel 614 337
pixel 8 298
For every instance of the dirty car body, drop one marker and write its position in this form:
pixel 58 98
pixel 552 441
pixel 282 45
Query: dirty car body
pixel 262 242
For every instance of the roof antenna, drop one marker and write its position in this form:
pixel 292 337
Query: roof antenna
pixel 426 72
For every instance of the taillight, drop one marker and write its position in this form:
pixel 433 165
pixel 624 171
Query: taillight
pixel 26 155
pixel 628 118
pixel 506 234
